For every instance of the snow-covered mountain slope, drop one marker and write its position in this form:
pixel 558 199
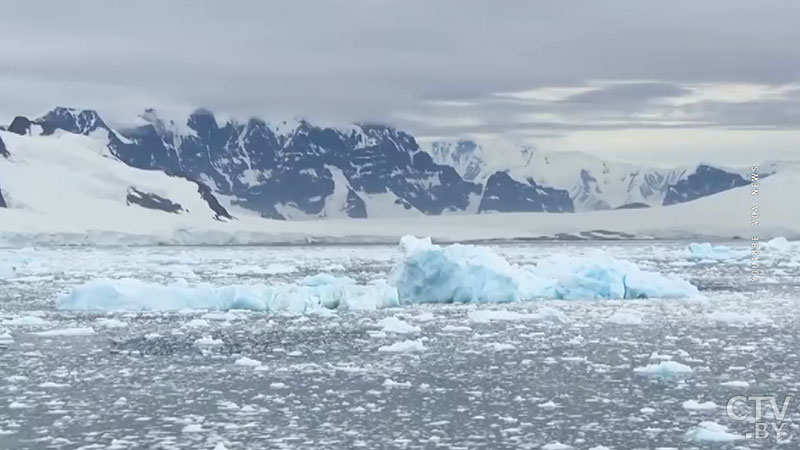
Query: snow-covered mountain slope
pixel 71 181
pixel 298 170
pixel 592 183
pixel 712 217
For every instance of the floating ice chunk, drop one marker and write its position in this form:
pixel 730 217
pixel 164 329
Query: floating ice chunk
pixel 780 244
pixel 455 328
pixel 711 432
pixel 488 315
pixel 404 347
pixel 208 341
pixel 735 317
pixel 110 323
pixel 391 383
pixel 247 362
pixel 26 321
pixel 6 338
pixel 694 405
pixel 736 384
pixel 195 323
pixel 502 347
pixel 557 446
pixel 625 318
pixel 718 252
pixel 395 325
pixel 127 294
pixel 78 331
pixel 192 428
pixel 664 368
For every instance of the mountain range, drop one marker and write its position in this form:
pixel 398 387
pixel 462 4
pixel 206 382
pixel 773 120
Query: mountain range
pixel 298 170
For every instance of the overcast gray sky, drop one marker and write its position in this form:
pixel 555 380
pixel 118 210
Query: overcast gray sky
pixel 659 82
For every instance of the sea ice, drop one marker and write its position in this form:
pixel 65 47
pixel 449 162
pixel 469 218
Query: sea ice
pixel 80 331
pixel 395 325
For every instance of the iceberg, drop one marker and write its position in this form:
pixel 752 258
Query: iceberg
pixel 426 273
pixel 135 295
pixel 469 274
pixel 457 273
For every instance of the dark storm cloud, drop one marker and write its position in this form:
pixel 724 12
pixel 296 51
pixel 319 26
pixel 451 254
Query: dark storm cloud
pixel 356 60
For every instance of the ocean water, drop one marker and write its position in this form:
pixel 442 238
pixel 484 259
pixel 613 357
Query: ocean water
pixel 548 374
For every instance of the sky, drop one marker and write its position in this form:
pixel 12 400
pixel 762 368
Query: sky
pixel 657 82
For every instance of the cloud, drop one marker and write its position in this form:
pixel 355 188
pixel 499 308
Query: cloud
pixel 627 93
pixel 383 60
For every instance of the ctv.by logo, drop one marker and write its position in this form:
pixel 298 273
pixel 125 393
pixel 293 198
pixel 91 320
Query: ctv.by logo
pixel 765 425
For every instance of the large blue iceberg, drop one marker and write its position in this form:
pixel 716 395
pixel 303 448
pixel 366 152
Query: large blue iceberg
pixel 430 273
pixel 426 273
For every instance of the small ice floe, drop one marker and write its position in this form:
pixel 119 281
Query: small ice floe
pixel 26 321
pixel 557 446
pixel 664 369
pixel 549 405
pixel 736 384
pixel 711 432
pixel 208 341
pixel 740 318
pixel 694 405
pixel 18 405
pixel 502 347
pixel 122 401
pixel 278 385
pixel 395 384
pixel 196 323
pixel 52 385
pixel 490 315
pixel 780 244
pixel 192 428
pixel 247 362
pixel 67 332
pixel 455 328
pixel 659 357
pixel 110 323
pixel 407 346
pixel 706 251
pixel 397 325
pixel 6 338
pixel 625 318
pixel 221 316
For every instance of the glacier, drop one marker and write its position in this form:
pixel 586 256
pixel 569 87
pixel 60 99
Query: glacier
pixel 426 273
